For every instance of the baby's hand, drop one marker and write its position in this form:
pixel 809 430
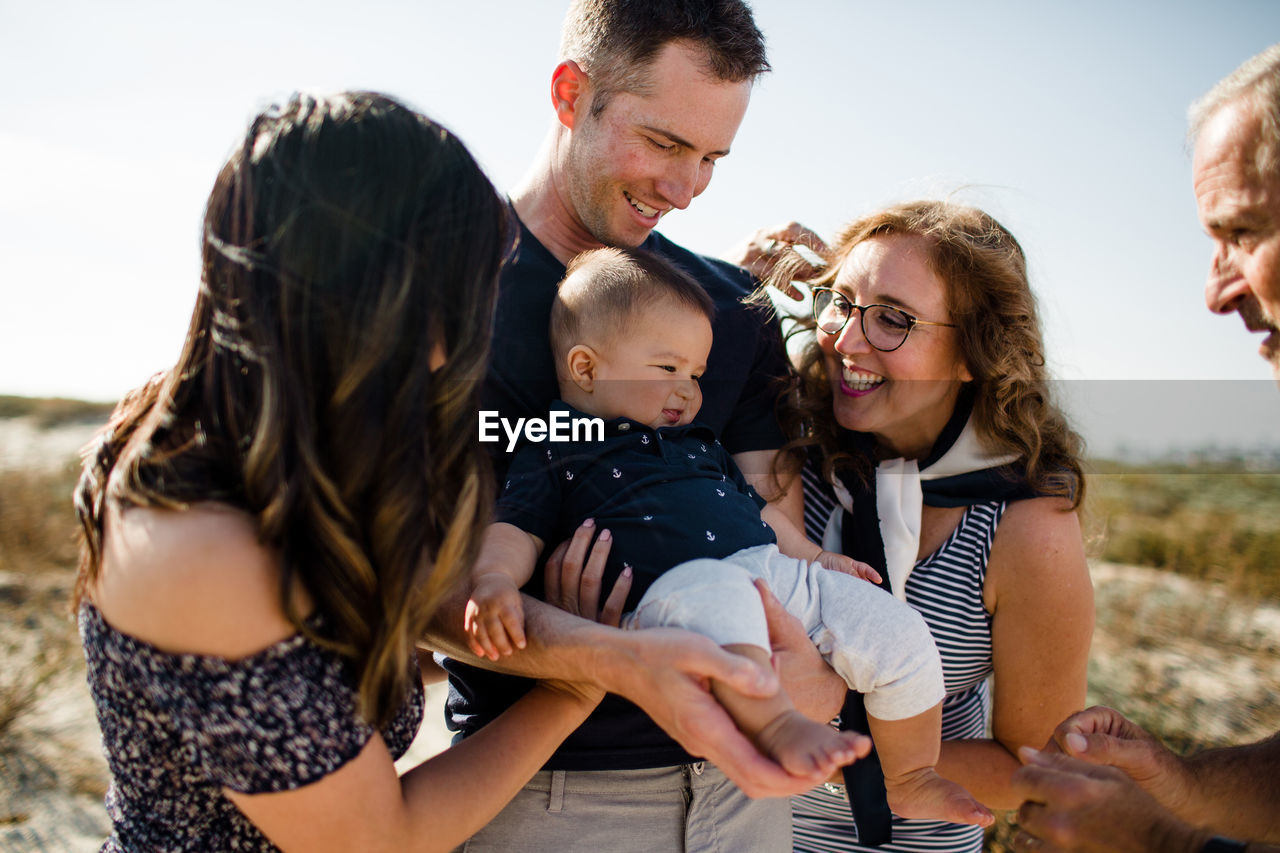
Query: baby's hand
pixel 848 565
pixel 494 618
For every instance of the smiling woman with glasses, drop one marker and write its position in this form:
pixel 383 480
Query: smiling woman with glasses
pixel 885 327
pixel 938 456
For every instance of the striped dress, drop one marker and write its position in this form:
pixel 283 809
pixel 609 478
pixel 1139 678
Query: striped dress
pixel 946 587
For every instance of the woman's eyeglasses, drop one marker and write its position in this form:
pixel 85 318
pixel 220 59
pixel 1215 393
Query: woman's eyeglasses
pixel 885 327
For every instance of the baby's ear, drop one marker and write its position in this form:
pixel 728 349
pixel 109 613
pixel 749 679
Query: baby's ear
pixel 581 363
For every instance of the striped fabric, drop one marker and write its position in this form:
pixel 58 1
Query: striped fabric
pixel 946 587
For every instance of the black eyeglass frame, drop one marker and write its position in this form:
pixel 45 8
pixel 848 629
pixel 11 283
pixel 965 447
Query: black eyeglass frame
pixel 911 320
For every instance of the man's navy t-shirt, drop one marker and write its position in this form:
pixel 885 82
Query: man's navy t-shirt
pixel 740 391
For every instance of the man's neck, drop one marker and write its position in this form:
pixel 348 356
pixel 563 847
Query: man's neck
pixel 543 206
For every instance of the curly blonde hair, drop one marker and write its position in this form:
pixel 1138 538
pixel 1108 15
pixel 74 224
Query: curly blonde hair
pixel 991 303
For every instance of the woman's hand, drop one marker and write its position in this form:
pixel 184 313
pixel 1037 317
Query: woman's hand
pixel 573 584
pixel 760 252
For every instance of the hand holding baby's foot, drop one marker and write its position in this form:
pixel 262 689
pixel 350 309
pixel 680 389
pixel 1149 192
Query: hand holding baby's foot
pixel 925 795
pixel 806 748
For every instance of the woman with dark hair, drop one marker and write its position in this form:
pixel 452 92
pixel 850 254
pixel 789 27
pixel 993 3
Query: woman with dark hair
pixel 269 524
pixel 935 453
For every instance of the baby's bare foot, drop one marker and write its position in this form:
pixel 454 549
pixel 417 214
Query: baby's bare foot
pixel 806 748
pixel 925 795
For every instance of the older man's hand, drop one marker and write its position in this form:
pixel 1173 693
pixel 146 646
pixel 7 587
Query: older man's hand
pixel 1101 735
pixel 1070 805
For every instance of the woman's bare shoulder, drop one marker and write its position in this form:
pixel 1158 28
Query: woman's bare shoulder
pixel 1038 545
pixel 192 581
pixel 1037 517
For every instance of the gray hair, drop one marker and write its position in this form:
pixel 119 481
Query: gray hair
pixel 1257 84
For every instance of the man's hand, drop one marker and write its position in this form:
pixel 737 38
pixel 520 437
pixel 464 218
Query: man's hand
pixel 668 674
pixel 1070 805
pixel 814 687
pixel 494 618
pixel 762 251
pixel 1102 735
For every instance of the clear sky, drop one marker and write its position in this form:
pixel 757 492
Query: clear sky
pixel 1065 120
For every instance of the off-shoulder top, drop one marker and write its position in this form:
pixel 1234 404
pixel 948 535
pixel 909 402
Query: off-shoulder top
pixel 178 728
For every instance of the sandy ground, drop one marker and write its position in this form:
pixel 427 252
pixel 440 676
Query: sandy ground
pixel 26 444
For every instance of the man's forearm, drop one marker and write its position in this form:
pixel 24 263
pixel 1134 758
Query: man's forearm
pixel 1239 790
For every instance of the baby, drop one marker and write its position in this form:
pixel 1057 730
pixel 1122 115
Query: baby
pixel 631 335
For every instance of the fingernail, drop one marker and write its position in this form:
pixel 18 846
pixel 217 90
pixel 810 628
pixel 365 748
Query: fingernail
pixel 626 573
pixel 1077 743
pixel 604 536
pixel 1028 754
pixel 590 522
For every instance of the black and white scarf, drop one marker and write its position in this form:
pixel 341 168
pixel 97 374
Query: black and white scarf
pixel 878 522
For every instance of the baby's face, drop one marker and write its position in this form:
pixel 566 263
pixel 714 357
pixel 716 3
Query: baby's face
pixel 650 371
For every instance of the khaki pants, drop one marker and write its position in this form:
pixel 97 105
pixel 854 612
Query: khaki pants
pixel 687 809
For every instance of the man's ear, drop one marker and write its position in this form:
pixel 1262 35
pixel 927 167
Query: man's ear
pixel 581 362
pixel 569 88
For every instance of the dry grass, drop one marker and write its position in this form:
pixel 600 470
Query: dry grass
pixel 1188 647
pixel 37 523
pixel 1218 523
pixel 37 541
pixel 53 411
pixel 48 774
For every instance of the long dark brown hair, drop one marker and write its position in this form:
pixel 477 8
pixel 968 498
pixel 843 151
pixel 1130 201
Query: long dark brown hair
pixel 989 299
pixel 347 241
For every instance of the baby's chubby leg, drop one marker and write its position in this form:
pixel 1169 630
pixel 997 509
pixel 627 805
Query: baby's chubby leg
pixel 719 600
pixel 908 750
pixel 799 744
pixel 882 647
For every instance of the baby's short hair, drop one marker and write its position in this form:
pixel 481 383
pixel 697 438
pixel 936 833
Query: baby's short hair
pixel 605 289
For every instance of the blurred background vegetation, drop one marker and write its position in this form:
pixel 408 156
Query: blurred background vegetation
pixel 1213 521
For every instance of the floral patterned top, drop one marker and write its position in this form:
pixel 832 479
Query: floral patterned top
pixel 178 728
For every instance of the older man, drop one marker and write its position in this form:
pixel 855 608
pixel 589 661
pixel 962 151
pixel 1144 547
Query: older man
pixel 1163 801
pixel 647 97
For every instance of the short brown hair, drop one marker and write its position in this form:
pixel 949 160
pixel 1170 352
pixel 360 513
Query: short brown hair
pixel 615 40
pixel 604 289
